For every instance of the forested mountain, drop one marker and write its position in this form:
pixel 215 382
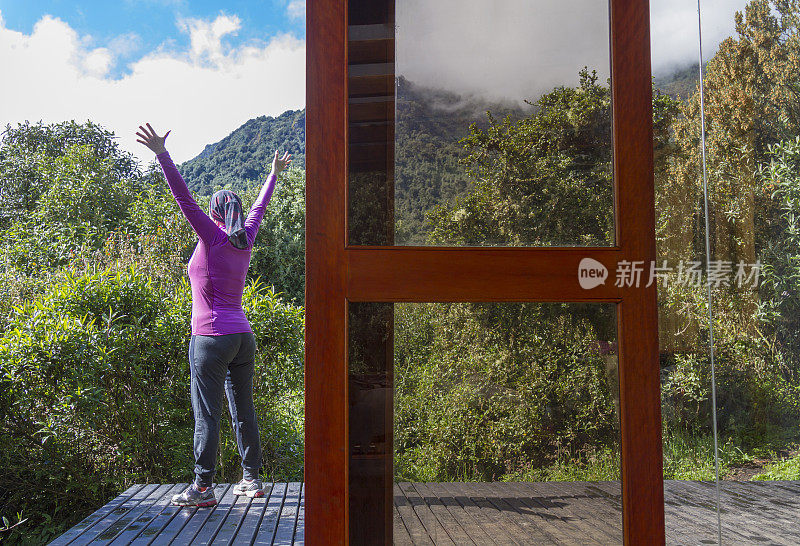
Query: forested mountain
pixel 245 155
pixel 430 123
pixel 680 83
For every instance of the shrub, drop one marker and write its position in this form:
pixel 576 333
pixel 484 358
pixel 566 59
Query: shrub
pixel 472 405
pixel 95 393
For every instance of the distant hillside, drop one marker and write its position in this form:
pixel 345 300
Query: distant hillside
pixel 246 154
pixel 429 124
pixel 680 83
pixel 428 172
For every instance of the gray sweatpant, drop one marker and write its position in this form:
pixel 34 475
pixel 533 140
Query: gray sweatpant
pixel 226 363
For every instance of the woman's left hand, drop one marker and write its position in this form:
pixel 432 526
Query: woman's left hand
pixel 280 163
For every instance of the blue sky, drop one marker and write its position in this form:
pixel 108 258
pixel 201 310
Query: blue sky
pixel 145 25
pixel 198 68
pixel 202 68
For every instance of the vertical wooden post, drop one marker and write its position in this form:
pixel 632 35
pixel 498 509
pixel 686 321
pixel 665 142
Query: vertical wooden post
pixel 634 196
pixel 326 308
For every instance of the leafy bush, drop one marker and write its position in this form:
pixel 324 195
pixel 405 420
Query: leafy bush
pixel 95 393
pixel 279 249
pixel 28 153
pixel 469 405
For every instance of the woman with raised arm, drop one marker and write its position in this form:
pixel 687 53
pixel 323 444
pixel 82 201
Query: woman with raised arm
pixel 222 346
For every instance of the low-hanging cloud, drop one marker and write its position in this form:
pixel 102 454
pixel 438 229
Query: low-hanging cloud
pixel 296 9
pixel 519 49
pixel 201 94
pixel 674 33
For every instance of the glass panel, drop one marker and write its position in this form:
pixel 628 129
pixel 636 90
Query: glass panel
pixel 688 435
pixel 752 122
pixel 478 420
pixel 688 440
pixel 744 243
pixel 457 139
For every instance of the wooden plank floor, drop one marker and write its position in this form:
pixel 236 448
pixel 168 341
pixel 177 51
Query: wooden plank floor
pixel 500 513
pixel 580 513
pixel 143 515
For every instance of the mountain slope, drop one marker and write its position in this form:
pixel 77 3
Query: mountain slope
pixel 245 156
pixel 430 123
pixel 680 83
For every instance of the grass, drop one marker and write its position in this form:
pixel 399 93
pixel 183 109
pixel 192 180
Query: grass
pixel 783 469
pixel 602 465
pixel 686 456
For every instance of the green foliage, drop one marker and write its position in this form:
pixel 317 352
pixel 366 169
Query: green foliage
pixel 246 154
pixel 278 255
pixel 92 395
pixel 84 189
pixel 757 402
pixel 96 392
pixel 80 188
pixel 689 456
pixel 780 278
pixel 428 170
pixel 469 405
pixel 543 180
pixel 784 469
pixel 26 153
pixel 590 465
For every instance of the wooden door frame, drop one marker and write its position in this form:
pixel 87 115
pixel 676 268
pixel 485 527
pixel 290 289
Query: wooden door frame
pixel 337 273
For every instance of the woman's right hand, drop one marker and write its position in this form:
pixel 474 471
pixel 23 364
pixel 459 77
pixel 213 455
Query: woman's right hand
pixel 280 163
pixel 153 141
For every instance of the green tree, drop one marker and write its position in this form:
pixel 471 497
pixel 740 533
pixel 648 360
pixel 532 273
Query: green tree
pixel 83 201
pixel 751 102
pixel 26 148
pixel 543 180
pixel 278 256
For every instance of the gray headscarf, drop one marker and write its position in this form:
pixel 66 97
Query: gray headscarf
pixel 226 208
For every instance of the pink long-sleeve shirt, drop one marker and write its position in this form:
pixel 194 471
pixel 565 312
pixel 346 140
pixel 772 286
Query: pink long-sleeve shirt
pixel 217 269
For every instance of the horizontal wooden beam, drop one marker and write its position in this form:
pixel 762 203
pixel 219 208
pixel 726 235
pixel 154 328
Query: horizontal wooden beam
pixel 478 274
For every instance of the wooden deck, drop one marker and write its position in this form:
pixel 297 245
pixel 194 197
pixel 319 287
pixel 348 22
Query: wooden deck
pixel 571 513
pixel 143 515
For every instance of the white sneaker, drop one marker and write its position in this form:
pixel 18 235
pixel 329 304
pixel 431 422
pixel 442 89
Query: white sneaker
pixel 251 488
pixel 194 497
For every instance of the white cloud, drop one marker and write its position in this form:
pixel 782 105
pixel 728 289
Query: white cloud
pixel 201 94
pixel 521 48
pixel 296 9
pixel 206 36
pixel 125 44
pixel 511 49
pixel 674 30
pixel 98 62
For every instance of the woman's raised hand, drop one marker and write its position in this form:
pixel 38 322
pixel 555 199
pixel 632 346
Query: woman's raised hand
pixel 153 141
pixel 280 163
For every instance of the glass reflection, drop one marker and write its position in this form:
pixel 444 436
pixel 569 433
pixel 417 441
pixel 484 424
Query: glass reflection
pixel 688 434
pixel 751 149
pixel 504 412
pixel 458 139
pixel 752 122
